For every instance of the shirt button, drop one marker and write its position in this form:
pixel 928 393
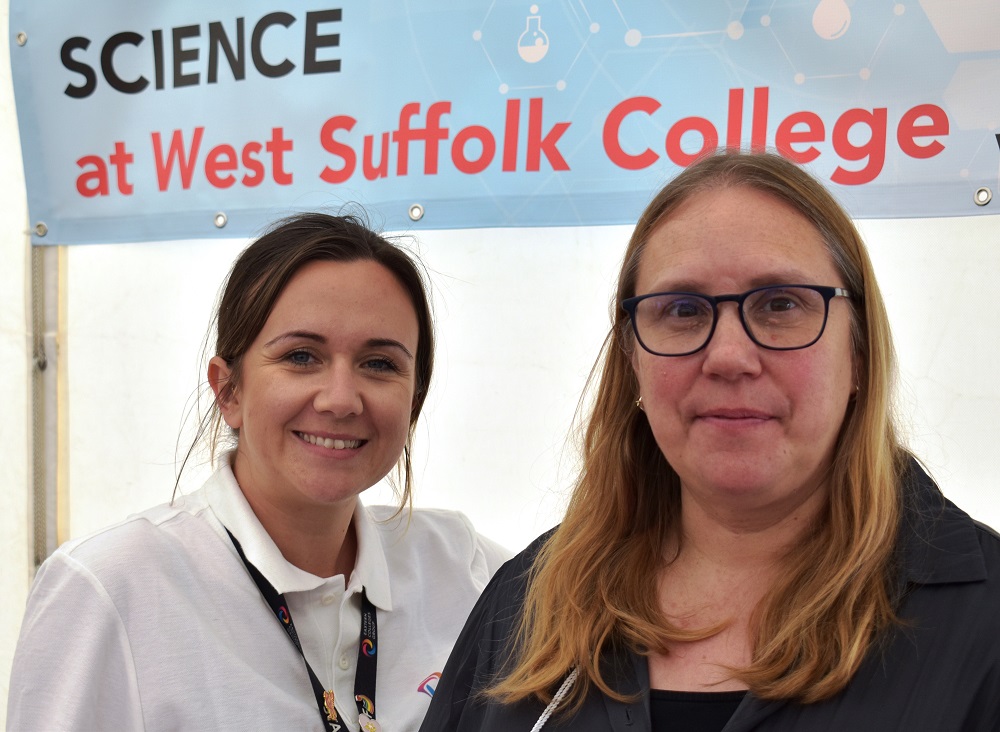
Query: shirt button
pixel 344 662
pixel 328 599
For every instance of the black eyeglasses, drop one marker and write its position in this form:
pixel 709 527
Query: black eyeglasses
pixel 779 317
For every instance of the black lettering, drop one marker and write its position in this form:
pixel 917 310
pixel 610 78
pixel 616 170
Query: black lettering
pixel 158 57
pixel 108 67
pixel 314 41
pixel 182 55
pixel 266 69
pixel 217 39
pixel 89 77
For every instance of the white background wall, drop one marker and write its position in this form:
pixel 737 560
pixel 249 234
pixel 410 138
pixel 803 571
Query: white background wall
pixel 521 314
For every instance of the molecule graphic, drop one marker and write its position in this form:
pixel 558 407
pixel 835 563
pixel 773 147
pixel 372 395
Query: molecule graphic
pixel 534 44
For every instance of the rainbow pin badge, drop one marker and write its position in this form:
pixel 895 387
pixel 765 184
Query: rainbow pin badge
pixel 367 707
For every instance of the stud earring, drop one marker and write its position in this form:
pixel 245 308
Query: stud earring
pixel 638 404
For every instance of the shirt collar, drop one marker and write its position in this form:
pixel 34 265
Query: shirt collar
pixel 940 542
pixel 232 509
pixel 371 569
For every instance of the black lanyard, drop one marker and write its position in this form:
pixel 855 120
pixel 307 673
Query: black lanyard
pixel 364 677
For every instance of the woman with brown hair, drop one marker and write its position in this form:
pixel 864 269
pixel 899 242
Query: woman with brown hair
pixel 271 598
pixel 748 546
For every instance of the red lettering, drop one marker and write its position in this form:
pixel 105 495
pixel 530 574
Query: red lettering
pixel 402 137
pixel 611 134
pixel 858 135
pixel 538 144
pixel 709 139
pixel 327 141
pixel 486 142
pixel 873 149
pixel 787 136
pixel 176 154
pixel 734 121
pixel 430 135
pixel 758 122
pixel 368 166
pixel 909 129
pixel 434 134
pixel 92 182
pixel 255 176
pixel 220 159
pixel 278 146
pixel 510 133
pixel 121 159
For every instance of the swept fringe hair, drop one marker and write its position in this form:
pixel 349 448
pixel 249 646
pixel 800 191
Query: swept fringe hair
pixel 592 589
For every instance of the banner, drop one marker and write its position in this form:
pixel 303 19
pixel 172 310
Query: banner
pixel 151 121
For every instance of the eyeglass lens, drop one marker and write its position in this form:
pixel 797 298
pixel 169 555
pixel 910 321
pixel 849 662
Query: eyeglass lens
pixel 774 317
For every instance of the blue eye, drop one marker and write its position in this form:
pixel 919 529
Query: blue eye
pixel 381 363
pixel 299 358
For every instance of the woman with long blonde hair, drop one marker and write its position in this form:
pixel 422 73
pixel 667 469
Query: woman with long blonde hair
pixel 748 545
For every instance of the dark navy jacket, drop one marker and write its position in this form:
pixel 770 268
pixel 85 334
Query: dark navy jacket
pixel 938 672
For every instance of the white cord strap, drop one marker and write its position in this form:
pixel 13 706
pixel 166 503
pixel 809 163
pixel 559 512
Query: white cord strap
pixel 567 684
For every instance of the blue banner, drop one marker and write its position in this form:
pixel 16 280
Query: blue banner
pixel 151 121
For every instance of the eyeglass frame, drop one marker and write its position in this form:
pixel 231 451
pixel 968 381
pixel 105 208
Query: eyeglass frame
pixel 630 304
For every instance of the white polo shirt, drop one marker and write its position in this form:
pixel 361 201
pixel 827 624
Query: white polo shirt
pixel 155 624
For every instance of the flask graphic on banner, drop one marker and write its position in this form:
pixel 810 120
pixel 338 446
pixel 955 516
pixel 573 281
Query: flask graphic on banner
pixel 534 42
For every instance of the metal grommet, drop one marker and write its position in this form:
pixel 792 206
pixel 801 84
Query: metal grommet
pixel 220 220
pixel 982 196
pixel 416 212
pixel 41 229
pixel 22 38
